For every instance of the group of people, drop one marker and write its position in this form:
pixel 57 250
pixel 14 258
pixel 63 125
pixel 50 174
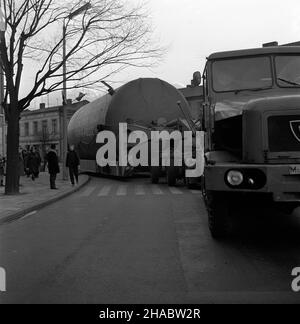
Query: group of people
pixel 30 165
pixel 32 162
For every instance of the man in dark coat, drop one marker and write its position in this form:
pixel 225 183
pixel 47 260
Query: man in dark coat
pixel 39 161
pixel 2 170
pixel 72 163
pixel 25 154
pixel 53 166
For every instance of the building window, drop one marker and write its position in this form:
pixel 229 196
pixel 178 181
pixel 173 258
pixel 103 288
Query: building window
pixel 45 126
pixel 26 129
pixel 54 126
pixel 35 128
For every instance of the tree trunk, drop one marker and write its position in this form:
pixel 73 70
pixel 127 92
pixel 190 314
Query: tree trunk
pixel 12 166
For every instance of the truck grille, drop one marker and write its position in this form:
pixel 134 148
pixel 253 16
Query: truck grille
pixel 284 133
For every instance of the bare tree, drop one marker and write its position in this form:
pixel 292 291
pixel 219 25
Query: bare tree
pixel 106 37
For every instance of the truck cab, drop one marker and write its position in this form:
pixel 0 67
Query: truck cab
pixel 251 118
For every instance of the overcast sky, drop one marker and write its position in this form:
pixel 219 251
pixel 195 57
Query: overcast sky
pixel 193 29
pixel 196 28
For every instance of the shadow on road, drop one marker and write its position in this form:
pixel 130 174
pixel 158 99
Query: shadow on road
pixel 267 227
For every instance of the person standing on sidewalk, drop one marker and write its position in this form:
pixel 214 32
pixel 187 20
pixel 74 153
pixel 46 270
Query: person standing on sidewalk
pixel 53 167
pixel 73 162
pixel 39 160
pixel 21 167
pixel 25 157
pixel 2 170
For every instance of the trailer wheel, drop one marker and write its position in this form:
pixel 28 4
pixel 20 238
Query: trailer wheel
pixel 171 176
pixel 217 205
pixel 155 174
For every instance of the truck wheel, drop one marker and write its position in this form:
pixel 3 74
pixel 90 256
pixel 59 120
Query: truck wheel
pixel 189 183
pixel 287 208
pixel 217 205
pixel 155 174
pixel 171 176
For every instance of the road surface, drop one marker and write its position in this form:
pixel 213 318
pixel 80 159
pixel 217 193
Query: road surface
pixel 134 242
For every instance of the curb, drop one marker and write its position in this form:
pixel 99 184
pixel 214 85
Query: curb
pixel 20 214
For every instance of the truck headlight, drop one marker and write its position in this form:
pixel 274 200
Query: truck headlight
pixel 235 178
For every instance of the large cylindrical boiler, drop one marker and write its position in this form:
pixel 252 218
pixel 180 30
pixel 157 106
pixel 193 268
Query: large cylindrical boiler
pixel 142 100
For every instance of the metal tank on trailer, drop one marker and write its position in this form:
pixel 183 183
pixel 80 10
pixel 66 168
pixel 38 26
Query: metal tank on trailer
pixel 145 100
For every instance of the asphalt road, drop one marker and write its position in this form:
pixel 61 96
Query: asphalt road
pixel 132 242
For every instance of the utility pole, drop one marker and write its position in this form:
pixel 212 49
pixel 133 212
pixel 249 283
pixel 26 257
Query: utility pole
pixel 2 116
pixel 64 108
pixel 77 12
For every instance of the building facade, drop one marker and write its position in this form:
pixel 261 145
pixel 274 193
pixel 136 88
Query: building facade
pixel 43 127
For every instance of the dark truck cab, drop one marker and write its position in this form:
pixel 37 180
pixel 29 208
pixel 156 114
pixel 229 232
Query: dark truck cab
pixel 251 118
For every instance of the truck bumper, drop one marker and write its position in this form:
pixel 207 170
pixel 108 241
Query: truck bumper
pixel 284 186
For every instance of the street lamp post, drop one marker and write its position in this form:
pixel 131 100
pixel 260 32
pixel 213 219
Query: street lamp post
pixel 75 13
pixel 64 108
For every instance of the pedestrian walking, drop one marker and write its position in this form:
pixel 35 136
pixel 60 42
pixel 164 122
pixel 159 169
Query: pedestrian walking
pixel 25 155
pixel 33 164
pixel 73 162
pixel 20 170
pixel 2 170
pixel 53 167
pixel 39 162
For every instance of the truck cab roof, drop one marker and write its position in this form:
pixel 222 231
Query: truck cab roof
pixel 255 51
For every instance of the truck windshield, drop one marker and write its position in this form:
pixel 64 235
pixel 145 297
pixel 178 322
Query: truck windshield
pixel 288 70
pixel 240 74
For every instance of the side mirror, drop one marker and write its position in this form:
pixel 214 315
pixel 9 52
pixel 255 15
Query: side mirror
pixel 197 79
pixel 100 128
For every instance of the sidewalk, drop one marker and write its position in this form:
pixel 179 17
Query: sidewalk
pixel 35 195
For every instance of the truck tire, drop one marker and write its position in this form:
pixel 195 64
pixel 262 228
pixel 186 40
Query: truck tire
pixel 155 174
pixel 171 176
pixel 217 205
pixel 189 183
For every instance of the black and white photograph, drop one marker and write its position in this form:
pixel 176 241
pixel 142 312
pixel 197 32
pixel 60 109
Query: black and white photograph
pixel 150 155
